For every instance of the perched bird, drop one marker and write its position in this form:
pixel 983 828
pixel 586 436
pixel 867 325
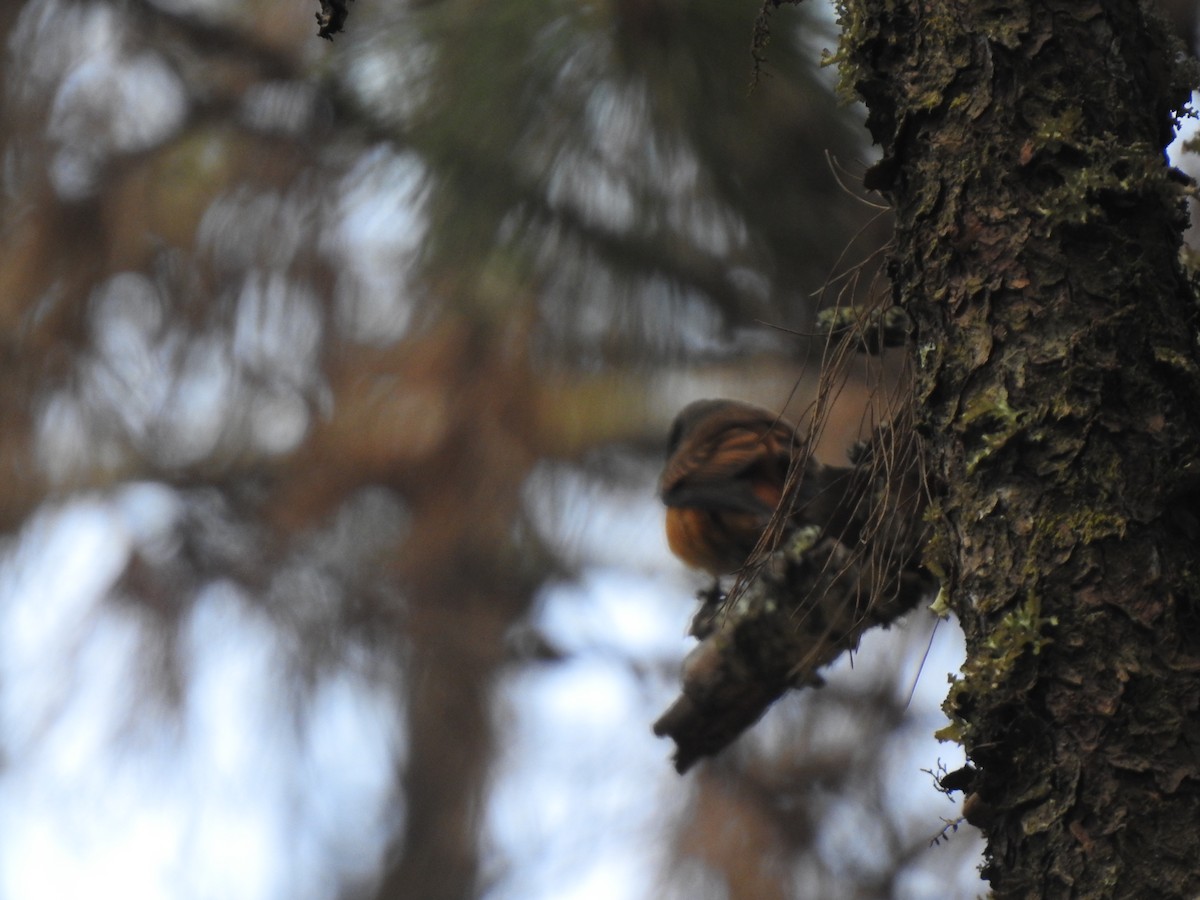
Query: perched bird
pixel 727 464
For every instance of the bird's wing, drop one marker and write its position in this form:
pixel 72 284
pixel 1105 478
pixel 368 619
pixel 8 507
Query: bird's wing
pixel 720 473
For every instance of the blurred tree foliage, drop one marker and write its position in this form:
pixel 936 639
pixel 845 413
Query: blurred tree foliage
pixel 341 307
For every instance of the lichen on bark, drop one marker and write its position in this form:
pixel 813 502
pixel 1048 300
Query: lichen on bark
pixel 1038 230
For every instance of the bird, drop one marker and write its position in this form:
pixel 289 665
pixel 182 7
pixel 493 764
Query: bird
pixel 726 473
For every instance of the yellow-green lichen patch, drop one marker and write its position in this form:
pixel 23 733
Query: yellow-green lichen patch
pixel 992 422
pixel 1021 632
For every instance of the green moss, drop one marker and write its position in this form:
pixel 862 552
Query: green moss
pixel 1176 360
pixel 1059 129
pixel 935 554
pixel 993 421
pixel 952 732
pixel 1022 631
pixel 1081 527
pixel 940 606
pixel 1135 170
pixel 803 540
pixel 851 20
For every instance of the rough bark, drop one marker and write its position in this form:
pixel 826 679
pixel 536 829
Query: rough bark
pixel 1058 393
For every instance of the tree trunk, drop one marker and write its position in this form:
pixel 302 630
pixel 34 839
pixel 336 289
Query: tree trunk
pixel 1058 392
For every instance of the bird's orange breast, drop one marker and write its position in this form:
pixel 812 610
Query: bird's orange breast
pixel 717 542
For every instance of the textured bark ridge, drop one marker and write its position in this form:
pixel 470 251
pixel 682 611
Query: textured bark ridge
pixel 1057 393
pixel 805 605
